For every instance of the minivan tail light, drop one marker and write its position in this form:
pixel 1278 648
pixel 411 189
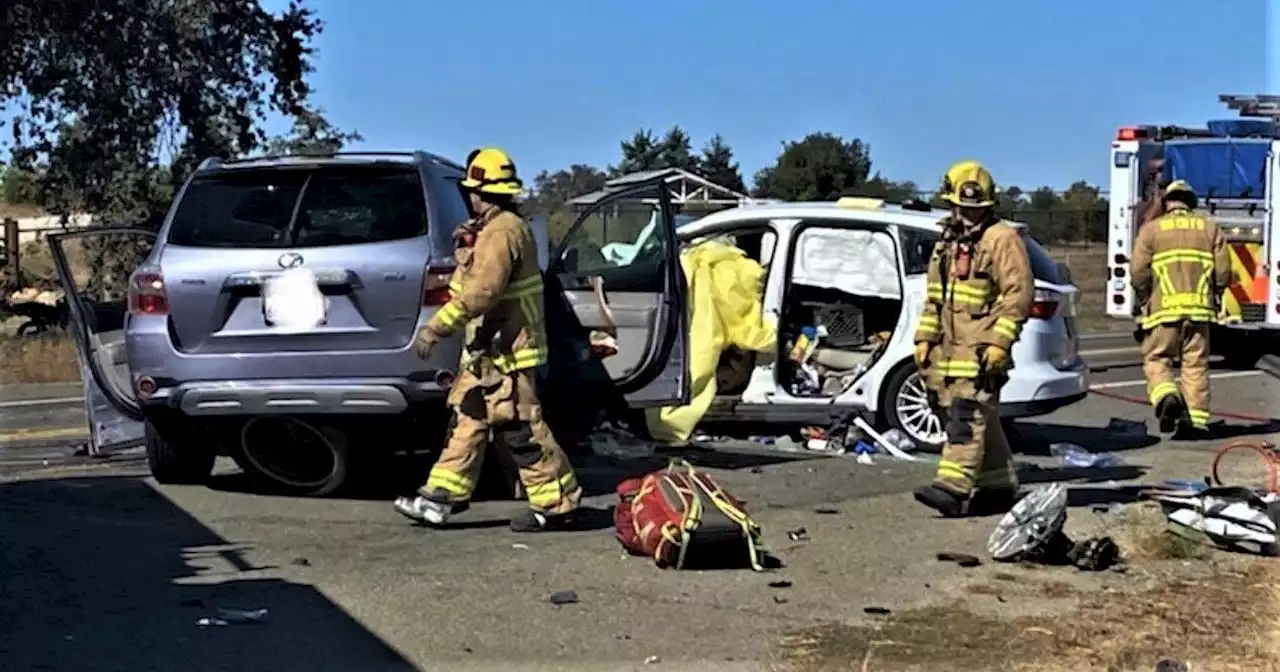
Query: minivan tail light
pixel 436 291
pixel 147 294
pixel 1045 304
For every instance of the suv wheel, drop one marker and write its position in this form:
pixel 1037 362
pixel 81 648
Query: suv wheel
pixel 906 407
pixel 293 454
pixel 180 463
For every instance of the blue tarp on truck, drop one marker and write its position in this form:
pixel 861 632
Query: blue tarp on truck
pixel 1219 168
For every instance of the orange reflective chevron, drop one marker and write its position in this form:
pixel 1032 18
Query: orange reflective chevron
pixel 1248 279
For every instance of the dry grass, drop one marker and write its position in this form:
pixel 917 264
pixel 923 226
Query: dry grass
pixel 19 211
pixel 1222 622
pixel 1213 616
pixel 1089 273
pixel 48 358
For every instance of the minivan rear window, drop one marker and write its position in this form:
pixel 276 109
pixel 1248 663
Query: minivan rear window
pixel 919 243
pixel 312 207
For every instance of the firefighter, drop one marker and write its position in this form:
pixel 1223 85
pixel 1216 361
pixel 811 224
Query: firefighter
pixel 1180 267
pixel 496 296
pixel 979 294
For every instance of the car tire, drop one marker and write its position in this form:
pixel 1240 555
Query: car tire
pixel 174 461
pixel 259 467
pixel 902 399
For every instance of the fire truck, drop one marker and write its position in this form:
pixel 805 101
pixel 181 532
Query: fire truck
pixel 1233 165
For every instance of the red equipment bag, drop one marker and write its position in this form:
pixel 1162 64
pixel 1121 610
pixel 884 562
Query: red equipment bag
pixel 671 512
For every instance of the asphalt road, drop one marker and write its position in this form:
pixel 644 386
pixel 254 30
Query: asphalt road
pixel 102 568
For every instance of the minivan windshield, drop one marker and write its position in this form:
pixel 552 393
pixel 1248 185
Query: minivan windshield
pixel 300 207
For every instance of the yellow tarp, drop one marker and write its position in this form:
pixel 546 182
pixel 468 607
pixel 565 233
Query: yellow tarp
pixel 726 296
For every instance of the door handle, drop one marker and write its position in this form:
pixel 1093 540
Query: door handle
pixel 602 300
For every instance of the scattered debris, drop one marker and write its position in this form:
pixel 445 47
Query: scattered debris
pixel 1032 530
pixel 301 562
pixel 778 599
pixel 611 441
pixel 798 534
pixel 233 617
pixel 520 547
pixel 962 559
pixel 779 584
pixel 563 597
pixel 826 511
pixel 1227 516
pixel 652 660
pixel 882 441
pixel 1094 555
pixel 1168 665
pixel 1072 455
pixel 876 611
pixel 1124 427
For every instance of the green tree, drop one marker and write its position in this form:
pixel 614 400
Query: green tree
pixel 677 150
pixel 142 80
pixel 889 190
pixel 820 167
pixel 17 187
pixel 312 134
pixel 115 101
pixel 643 152
pixel 717 165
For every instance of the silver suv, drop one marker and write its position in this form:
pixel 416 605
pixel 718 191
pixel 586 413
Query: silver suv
pixel 188 362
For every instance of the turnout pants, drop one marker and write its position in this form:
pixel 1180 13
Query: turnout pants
pixel 506 412
pixel 1188 341
pixel 976 455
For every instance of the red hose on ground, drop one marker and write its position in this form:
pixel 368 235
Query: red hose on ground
pixel 1270 459
pixel 1143 402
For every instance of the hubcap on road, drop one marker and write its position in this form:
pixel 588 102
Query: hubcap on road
pixel 914 413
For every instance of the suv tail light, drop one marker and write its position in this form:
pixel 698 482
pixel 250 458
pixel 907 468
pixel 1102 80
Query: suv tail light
pixel 436 291
pixel 147 295
pixel 1045 304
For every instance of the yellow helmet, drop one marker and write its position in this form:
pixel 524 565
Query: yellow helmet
pixel 491 171
pixel 969 185
pixel 1179 185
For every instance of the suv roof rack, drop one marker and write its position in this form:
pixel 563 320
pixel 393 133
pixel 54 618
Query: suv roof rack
pixel 425 157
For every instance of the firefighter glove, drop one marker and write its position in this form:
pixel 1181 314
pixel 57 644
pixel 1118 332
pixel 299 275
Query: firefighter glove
pixel 922 354
pixel 424 342
pixel 995 360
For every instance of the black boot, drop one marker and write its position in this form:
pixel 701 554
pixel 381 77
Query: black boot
pixel 992 501
pixel 534 521
pixel 945 502
pixel 1170 412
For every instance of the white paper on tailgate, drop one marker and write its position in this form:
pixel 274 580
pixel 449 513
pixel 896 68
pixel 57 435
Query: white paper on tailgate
pixel 853 261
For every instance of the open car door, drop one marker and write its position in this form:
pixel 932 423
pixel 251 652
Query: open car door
pixel 98 304
pixel 639 300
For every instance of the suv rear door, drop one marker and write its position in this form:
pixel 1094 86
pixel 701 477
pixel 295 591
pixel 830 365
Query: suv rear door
pixel 97 301
pixel 641 299
pixel 360 226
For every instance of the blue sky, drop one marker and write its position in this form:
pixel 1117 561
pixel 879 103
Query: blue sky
pixel 1034 89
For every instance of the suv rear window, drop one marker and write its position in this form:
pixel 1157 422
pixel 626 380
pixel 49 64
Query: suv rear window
pixel 311 207
pixel 918 246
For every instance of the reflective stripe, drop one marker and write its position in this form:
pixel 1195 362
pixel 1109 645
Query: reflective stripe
pixel 524 358
pixel 450 315
pixel 960 293
pixel 1177 315
pixel 1162 390
pixel 953 471
pixel 516 289
pixel 548 495
pixel 956 368
pixel 929 324
pixel 450 482
pixel 1007 327
pixel 455 286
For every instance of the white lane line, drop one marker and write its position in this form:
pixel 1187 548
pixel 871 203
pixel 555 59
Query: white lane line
pixel 1110 351
pixel 54 401
pixel 1135 383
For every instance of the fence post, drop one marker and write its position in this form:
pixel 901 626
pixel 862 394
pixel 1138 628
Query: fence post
pixel 12 252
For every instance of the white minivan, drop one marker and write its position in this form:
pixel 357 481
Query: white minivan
pixel 857 268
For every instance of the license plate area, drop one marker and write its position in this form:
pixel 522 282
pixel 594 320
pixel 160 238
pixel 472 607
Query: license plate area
pixel 293 302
